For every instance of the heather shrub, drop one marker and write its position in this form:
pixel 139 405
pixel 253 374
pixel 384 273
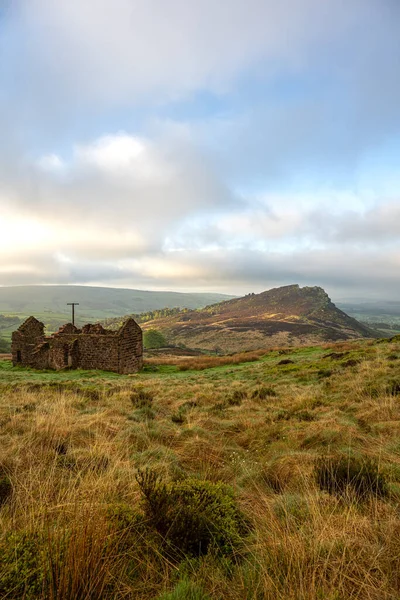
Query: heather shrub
pixel 342 473
pixel 22 573
pixel 193 515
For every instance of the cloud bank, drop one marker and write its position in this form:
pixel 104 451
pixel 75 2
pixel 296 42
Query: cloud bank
pixel 227 146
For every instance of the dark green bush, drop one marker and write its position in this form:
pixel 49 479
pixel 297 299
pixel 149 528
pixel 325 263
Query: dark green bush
pixel 193 515
pixel 342 473
pixel 5 346
pixel 154 339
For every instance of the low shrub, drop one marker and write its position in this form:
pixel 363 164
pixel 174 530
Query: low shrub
pixel 193 515
pixel 342 473
pixel 22 574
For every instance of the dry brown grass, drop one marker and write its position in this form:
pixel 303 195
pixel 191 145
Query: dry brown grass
pixel 199 363
pixel 72 458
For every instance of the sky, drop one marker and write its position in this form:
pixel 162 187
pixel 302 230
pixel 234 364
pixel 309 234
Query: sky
pixel 201 145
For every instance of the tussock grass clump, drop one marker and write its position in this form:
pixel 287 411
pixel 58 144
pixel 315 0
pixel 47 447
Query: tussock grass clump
pixel 322 373
pixel 193 515
pixel 237 398
pixel 179 417
pixel 141 398
pixel 286 471
pixel 5 486
pixel 285 361
pixel 264 392
pixel 185 590
pixel 343 473
pixel 292 509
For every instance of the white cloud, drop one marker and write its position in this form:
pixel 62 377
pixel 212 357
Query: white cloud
pixel 159 206
pixel 110 50
pixel 51 162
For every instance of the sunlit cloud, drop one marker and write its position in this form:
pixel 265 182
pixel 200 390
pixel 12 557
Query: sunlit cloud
pixel 164 145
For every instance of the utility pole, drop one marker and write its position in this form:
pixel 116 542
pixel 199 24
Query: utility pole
pixel 73 304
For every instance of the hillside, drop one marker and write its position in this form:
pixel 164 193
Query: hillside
pixel 49 303
pixel 276 479
pixel 287 315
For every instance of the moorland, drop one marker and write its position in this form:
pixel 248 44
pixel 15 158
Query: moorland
pixel 49 304
pixel 265 475
pixel 289 315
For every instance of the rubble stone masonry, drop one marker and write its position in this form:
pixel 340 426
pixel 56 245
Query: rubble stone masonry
pixel 91 347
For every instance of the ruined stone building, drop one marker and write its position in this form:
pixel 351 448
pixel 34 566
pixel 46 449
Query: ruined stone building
pixel 91 347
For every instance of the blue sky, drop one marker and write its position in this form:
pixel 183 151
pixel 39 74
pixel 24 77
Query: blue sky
pixel 231 146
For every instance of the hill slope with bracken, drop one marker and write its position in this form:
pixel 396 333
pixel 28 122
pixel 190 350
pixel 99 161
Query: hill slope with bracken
pixel 287 315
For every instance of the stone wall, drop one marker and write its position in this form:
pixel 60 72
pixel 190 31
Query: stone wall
pixel 88 351
pixel 130 342
pixel 92 347
pixel 25 340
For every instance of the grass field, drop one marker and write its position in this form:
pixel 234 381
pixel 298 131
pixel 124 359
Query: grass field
pixel 276 478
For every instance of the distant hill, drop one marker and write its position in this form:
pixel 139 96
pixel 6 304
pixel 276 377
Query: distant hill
pixel 48 303
pixel 383 315
pixel 287 315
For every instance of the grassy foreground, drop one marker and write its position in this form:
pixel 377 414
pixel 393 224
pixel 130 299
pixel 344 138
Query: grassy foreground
pixel 272 479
